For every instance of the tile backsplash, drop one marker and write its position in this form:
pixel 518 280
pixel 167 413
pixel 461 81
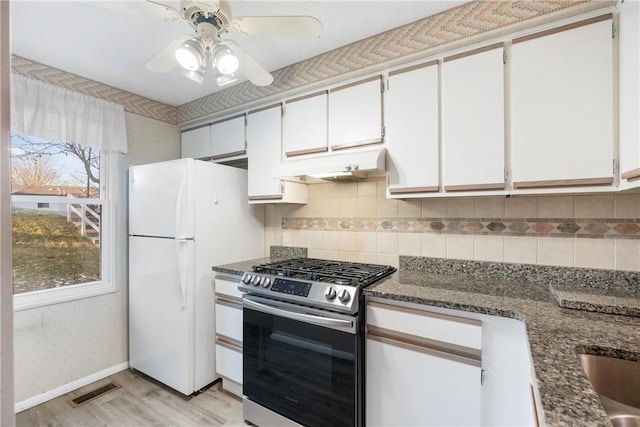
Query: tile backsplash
pixel 355 221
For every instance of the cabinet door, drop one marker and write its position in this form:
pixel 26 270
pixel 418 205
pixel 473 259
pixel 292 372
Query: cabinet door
pixel 264 155
pixel 630 91
pixel 407 387
pixel 264 152
pixel 229 361
pixel 355 114
pixel 412 125
pixel 305 125
pixel 227 137
pixel 473 120
pixel 229 319
pixel 422 368
pixel 562 107
pixel 196 143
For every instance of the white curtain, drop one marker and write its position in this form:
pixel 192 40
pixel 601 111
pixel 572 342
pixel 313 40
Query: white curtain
pixel 51 112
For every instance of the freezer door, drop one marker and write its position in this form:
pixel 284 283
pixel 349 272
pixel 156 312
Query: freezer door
pixel 161 310
pixel 161 199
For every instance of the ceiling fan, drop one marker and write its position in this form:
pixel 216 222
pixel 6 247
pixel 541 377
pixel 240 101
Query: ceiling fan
pixel 206 48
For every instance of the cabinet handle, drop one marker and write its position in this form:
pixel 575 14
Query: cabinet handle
pixel 356 144
pixel 408 190
pixel 232 302
pixel 232 154
pixel 443 350
pixel 563 183
pixel 229 343
pixel 266 197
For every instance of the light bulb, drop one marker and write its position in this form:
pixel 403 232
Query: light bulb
pixel 189 55
pixel 226 62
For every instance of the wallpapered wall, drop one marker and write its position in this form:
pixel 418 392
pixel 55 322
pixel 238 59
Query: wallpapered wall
pixel 59 344
pixel 355 221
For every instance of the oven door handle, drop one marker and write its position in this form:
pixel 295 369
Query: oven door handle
pixel 307 318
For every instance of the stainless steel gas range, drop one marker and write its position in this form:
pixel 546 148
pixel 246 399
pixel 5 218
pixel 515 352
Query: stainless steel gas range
pixel 303 338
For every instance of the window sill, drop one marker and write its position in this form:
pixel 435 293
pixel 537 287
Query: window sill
pixel 53 296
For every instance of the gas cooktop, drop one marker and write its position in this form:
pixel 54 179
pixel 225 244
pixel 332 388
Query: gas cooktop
pixel 327 271
pixel 321 283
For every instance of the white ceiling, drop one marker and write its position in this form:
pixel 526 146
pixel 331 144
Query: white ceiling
pixel 111 47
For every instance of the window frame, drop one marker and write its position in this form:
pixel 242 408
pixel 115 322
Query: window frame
pixel 107 283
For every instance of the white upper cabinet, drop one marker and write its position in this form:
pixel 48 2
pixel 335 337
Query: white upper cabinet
pixel 355 114
pixel 216 141
pixel 629 39
pixel 412 129
pixel 305 125
pixel 196 143
pixel 473 120
pixel 562 106
pixel 264 155
pixel 227 138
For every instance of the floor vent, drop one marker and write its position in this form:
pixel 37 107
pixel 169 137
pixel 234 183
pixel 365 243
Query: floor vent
pixel 93 394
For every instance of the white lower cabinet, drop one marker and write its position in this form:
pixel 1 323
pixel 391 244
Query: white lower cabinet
pixel 229 333
pixel 429 366
pixel 422 368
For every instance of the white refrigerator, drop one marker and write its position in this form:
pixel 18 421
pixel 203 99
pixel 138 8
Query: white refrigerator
pixel 184 217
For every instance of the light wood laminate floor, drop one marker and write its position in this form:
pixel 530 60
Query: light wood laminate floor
pixel 138 402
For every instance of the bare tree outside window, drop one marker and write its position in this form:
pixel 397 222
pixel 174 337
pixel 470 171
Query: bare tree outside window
pixel 33 171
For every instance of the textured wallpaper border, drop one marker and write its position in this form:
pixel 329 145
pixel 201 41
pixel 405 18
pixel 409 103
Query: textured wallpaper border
pixel 420 37
pixel 598 228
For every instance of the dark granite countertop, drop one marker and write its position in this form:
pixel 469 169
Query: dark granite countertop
pixel 535 295
pixel 556 335
pixel 276 253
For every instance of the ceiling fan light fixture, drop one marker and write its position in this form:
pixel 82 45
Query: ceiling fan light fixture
pixel 195 75
pixel 225 79
pixel 225 61
pixel 190 55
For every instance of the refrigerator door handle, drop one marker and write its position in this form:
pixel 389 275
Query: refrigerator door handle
pixel 182 271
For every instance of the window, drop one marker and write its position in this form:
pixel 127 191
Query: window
pixel 62 215
pixel 78 262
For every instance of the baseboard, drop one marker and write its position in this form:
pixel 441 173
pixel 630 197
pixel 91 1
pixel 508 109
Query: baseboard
pixel 64 389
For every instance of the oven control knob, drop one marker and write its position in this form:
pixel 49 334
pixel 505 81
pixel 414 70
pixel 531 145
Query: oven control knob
pixel 330 293
pixel 247 278
pixel 265 282
pixel 344 296
pixel 256 280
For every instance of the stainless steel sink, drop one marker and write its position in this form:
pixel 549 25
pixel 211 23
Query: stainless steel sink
pixel 625 421
pixel 617 382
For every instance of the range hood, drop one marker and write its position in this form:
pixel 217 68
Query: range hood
pixel 348 166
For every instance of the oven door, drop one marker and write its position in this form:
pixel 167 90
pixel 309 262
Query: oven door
pixel 301 363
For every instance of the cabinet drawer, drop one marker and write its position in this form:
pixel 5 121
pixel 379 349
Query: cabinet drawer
pixel 446 328
pixel 228 362
pixel 228 286
pixel 229 320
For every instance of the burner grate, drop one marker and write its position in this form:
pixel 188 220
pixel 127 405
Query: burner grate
pixel 321 270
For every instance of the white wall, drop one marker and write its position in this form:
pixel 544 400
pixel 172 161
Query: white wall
pixel 64 343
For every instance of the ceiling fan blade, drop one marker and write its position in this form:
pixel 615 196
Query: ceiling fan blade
pixel 278 26
pixel 249 66
pixel 165 60
pixel 153 9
